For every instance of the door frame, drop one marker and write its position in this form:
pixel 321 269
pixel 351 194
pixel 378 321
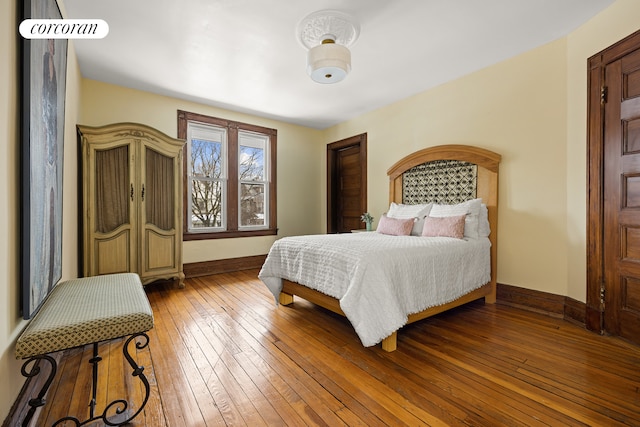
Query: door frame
pixel 332 150
pixel 597 93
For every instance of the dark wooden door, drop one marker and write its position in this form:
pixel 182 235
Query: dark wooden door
pixel 622 197
pixel 349 177
pixel 347 184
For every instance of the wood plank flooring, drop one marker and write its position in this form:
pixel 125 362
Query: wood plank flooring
pixel 221 353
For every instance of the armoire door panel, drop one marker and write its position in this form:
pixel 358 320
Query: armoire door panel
pixel 163 255
pixel 158 189
pixel 113 254
pixel 112 188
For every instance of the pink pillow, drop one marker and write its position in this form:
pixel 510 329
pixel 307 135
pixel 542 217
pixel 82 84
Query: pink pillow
pixel 395 226
pixel 448 226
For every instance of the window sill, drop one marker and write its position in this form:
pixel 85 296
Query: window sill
pixel 229 234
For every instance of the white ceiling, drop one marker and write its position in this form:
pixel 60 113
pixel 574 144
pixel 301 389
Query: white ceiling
pixel 244 55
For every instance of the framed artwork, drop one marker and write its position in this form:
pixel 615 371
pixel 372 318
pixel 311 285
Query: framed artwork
pixel 44 71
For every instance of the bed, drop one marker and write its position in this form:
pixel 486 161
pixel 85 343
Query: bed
pixel 382 281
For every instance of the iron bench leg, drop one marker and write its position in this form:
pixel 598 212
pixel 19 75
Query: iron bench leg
pixel 116 408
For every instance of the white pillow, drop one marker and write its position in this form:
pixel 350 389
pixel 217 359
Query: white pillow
pixel 484 229
pixel 401 211
pixel 471 208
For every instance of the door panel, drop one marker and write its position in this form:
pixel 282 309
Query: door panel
pixel 346 184
pixel 110 240
pixel 349 176
pixel 622 198
pixel 113 255
pixel 159 246
pixel 163 256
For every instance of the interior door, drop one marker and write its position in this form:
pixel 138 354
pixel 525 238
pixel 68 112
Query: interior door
pixel 622 197
pixel 349 179
pixel 347 184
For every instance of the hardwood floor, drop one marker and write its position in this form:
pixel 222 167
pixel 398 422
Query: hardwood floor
pixel 221 353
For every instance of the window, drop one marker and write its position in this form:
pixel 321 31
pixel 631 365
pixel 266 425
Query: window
pixel 252 176
pixel 229 178
pixel 206 177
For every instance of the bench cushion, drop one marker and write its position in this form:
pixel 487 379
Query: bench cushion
pixel 87 310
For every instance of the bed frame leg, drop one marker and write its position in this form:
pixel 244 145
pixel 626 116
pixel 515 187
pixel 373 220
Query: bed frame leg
pixel 490 298
pixel 285 299
pixel 390 343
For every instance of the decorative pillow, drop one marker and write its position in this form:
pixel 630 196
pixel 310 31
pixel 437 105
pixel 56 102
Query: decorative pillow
pixel 448 226
pixel 470 208
pixel 395 226
pixel 420 211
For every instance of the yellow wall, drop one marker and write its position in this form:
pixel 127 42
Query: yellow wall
pixel 10 379
pixel 299 168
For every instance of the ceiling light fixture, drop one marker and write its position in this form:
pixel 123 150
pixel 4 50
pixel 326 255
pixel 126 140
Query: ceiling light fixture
pixel 328 34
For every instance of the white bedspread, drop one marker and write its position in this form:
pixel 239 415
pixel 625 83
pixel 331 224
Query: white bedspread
pixel 379 279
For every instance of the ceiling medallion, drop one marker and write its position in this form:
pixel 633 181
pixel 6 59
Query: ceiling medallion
pixel 327 34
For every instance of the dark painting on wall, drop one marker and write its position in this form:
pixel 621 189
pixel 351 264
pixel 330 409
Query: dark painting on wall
pixel 44 70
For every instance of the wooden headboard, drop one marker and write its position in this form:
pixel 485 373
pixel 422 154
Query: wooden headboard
pixel 486 181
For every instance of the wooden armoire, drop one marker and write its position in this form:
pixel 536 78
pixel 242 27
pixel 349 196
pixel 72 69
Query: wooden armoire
pixel 131 179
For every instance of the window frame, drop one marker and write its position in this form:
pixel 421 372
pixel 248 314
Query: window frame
pixel 232 214
pixel 200 131
pixel 263 182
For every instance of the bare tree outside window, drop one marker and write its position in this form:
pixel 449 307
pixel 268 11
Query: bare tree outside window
pixel 230 178
pixel 206 185
pixel 252 186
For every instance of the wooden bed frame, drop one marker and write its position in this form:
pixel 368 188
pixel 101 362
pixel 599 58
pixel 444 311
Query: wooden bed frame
pixel 486 188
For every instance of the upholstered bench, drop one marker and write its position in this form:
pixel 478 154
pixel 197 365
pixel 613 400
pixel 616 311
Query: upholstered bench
pixel 87 311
